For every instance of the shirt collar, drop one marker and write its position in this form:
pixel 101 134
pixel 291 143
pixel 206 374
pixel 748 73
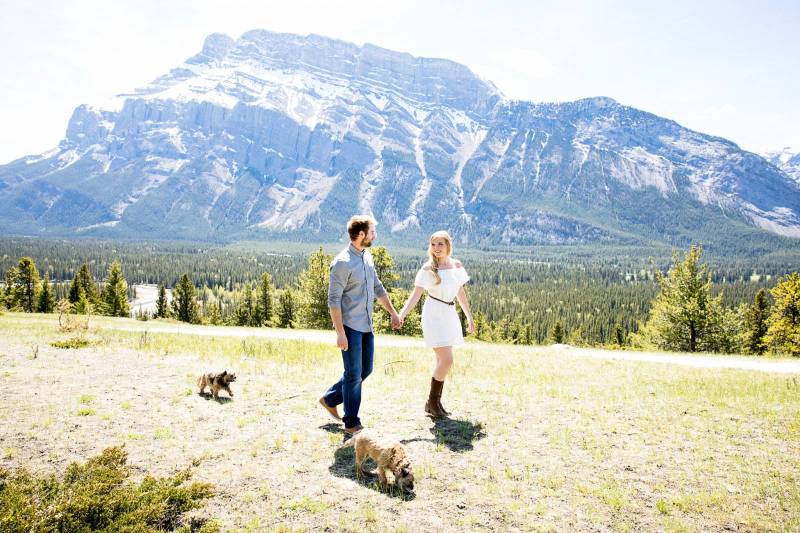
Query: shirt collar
pixel 354 250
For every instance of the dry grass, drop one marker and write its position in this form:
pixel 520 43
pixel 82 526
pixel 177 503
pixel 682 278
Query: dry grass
pixel 537 441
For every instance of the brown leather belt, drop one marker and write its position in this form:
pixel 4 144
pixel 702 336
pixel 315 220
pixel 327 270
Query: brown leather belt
pixel 438 300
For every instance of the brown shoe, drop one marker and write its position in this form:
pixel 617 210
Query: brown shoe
pixel 432 406
pixel 353 430
pixel 334 412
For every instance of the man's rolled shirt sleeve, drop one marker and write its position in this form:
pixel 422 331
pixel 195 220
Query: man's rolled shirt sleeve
pixel 337 284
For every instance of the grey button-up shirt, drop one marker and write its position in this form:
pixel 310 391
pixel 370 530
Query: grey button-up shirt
pixel 354 287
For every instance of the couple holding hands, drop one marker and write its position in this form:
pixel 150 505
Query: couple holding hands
pixel 354 286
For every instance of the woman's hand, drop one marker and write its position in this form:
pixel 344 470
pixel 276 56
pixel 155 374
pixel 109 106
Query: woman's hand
pixel 470 325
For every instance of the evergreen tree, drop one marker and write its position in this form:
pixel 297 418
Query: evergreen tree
pixel 246 313
pixel 313 287
pixel 162 309
pixel 23 288
pixel 783 324
pixel 114 298
pixel 9 292
pixel 184 301
pixel 286 309
pixel 684 316
pixel 481 326
pixel 266 291
pixel 213 313
pixel 84 282
pixel 754 324
pixel 384 268
pixel 557 335
pixel 619 335
pixel 75 290
pixel 46 301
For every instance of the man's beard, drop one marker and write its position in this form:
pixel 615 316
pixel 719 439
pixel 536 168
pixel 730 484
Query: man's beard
pixel 366 243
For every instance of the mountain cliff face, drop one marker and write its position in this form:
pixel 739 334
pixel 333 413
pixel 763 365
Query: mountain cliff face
pixel 283 135
pixel 788 160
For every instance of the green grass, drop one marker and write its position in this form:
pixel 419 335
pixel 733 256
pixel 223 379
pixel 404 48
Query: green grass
pixel 539 440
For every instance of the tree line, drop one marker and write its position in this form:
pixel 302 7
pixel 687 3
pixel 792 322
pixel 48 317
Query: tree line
pixel 515 298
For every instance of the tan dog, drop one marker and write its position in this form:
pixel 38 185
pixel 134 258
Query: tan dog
pixel 389 454
pixel 216 382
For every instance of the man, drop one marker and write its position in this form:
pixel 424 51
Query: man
pixel 354 287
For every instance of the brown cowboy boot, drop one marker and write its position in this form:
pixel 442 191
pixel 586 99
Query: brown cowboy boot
pixel 432 405
pixel 439 401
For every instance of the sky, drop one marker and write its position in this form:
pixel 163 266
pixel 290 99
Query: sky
pixel 726 68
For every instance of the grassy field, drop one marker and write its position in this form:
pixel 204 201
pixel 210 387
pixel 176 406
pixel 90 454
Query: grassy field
pixel 538 440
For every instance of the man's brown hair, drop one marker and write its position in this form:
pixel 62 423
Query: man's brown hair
pixel 359 223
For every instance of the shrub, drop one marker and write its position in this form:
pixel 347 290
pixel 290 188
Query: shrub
pixel 95 496
pixel 72 343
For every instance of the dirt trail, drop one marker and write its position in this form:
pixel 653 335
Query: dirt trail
pixel 781 366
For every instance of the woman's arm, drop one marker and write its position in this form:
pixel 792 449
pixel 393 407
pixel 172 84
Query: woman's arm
pixel 411 302
pixel 464 303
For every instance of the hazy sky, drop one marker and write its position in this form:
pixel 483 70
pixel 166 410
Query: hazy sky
pixel 721 67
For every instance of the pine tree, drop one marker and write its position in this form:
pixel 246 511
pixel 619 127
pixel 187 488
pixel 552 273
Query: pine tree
pixel 783 324
pixel 184 301
pixel 246 312
pixel 286 309
pixel 24 286
pixel 619 335
pixel 213 313
pixel 684 316
pixel 313 287
pixel 266 291
pixel 75 290
pixel 46 302
pixel 162 308
pixel 384 268
pixel 84 282
pixel 754 324
pixel 114 298
pixel 557 335
pixel 9 292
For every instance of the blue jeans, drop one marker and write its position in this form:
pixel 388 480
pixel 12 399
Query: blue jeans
pixel 357 359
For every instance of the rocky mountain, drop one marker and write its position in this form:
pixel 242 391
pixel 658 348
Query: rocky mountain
pixel 787 159
pixel 284 135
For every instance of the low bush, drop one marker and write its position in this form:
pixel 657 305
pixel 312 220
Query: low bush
pixel 72 343
pixel 98 495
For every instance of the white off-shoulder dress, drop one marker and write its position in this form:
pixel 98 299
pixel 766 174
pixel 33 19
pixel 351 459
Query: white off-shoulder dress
pixel 440 324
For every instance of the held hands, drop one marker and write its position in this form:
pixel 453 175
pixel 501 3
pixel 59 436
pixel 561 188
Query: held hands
pixel 397 321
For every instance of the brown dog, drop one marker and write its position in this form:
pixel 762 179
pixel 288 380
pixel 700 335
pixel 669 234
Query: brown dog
pixel 389 454
pixel 216 382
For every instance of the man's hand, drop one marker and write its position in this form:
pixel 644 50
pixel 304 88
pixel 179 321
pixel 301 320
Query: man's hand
pixel 397 321
pixel 341 341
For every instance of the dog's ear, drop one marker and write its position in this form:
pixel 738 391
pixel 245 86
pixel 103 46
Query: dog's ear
pixel 405 471
pixel 224 373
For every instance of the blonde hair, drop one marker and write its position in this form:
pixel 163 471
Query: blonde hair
pixel 432 261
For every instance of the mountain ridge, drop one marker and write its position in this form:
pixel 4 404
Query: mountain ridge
pixel 279 135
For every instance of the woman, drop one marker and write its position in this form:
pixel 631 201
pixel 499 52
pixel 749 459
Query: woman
pixel 444 278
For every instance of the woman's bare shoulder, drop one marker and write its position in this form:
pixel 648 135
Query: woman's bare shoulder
pixel 427 267
pixel 457 263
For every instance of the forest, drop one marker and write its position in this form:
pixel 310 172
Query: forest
pixel 587 296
